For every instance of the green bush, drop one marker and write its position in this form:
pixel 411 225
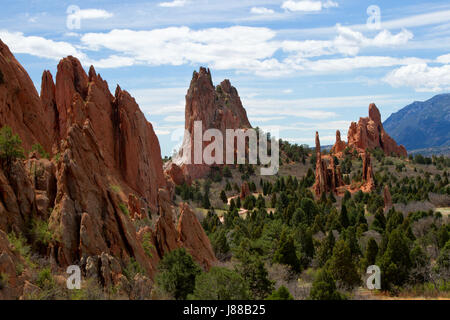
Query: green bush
pixel 40 149
pixel 324 287
pixel 281 294
pixel 10 147
pixel 147 244
pixel 20 246
pixel 124 209
pixel 220 284
pixel 115 188
pixel 45 279
pixel 4 279
pixel 41 232
pixel 132 269
pixel 342 265
pixel 177 272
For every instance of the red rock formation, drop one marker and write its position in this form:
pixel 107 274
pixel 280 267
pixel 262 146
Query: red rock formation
pixel 175 173
pixel 339 145
pixel 369 133
pixel 367 174
pixel 41 173
pixel 245 190
pixel 387 198
pixel 21 108
pixel 217 108
pixel 106 172
pixel 328 177
pixel 194 239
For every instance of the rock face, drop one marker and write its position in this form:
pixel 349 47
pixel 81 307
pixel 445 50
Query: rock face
pixel 194 239
pixel 328 176
pixel 105 177
pixel 21 108
pixel 369 133
pixel 218 108
pixel 339 145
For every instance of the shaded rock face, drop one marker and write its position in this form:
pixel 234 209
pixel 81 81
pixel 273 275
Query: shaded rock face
pixel 369 133
pixel 328 176
pixel 217 108
pixel 192 236
pixel 339 145
pixel 105 177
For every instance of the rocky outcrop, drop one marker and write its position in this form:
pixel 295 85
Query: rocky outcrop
pixel 367 173
pixel 192 236
pixel 218 108
pixel 103 183
pixel 245 190
pixel 20 105
pixel 369 133
pixel 176 175
pixel 328 176
pixel 339 145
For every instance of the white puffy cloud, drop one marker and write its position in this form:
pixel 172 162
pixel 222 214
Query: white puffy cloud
pixel 308 5
pixel 174 3
pixel 445 59
pixel 113 61
pixel 304 5
pixel 261 10
pixel 39 46
pixel 351 63
pixel 421 77
pixel 245 49
pixel 221 48
pixel 347 42
pixel 330 4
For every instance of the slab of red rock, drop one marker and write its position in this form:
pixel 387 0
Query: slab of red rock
pixel 328 176
pixel 20 105
pixel 194 239
pixel 339 145
pixel 217 108
pixel 369 133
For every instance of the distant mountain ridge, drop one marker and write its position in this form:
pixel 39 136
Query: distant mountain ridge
pixel 422 124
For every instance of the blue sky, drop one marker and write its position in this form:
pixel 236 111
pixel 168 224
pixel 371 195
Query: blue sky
pixel 298 65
